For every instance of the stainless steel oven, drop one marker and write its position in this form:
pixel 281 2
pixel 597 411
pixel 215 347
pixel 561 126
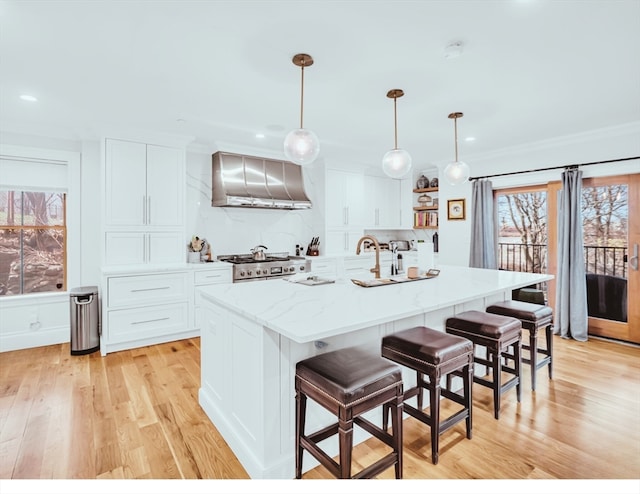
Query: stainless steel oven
pixel 246 268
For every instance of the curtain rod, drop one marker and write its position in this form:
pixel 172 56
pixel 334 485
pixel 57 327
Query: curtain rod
pixel 555 168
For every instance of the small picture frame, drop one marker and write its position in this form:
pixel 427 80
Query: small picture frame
pixel 456 209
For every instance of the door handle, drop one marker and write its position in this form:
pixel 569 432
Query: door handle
pixel 633 260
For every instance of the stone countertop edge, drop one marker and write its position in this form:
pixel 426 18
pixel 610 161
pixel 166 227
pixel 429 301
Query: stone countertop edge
pixel 164 268
pixel 309 313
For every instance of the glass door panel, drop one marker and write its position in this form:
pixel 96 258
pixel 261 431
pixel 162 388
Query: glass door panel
pixel 610 221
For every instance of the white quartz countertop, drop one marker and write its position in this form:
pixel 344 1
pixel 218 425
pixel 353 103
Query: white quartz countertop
pixel 308 313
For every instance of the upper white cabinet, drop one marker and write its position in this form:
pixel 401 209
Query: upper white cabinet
pixel 144 195
pixel 144 184
pixel 382 202
pixel 124 248
pixel 344 197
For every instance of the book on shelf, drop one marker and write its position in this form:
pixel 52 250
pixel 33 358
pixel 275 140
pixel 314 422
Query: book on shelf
pixel 425 218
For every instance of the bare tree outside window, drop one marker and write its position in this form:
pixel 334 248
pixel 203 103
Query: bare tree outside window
pixel 32 242
pixel 522 235
pixel 605 214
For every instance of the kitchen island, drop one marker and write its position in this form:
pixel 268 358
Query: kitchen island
pixel 254 333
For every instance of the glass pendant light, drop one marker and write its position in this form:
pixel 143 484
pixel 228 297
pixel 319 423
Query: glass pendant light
pixel 397 162
pixel 301 145
pixel 456 171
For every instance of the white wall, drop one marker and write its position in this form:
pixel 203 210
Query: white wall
pixel 43 319
pixel 606 144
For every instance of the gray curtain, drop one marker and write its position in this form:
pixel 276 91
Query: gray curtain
pixel 571 318
pixel 483 253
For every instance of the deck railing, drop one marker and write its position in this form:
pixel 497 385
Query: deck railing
pixel 606 260
pixel 528 258
pixel 532 258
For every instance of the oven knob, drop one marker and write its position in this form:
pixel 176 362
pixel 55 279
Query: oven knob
pixel 241 273
pixel 249 273
pixel 257 271
pixel 301 268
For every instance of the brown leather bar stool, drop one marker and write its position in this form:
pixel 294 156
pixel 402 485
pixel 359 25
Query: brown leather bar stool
pixel 501 336
pixel 533 317
pixel 434 354
pixel 348 383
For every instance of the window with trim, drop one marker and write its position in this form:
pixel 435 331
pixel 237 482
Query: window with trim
pixel 33 236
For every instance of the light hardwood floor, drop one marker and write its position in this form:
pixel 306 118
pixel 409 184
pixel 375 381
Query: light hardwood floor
pixel 135 415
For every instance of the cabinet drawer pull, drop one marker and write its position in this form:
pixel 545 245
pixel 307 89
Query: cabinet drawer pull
pixel 149 289
pixel 151 320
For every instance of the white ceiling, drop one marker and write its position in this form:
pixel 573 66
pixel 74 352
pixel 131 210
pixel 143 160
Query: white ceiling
pixel 530 70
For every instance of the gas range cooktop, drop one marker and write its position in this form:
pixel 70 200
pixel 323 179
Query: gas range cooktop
pixel 246 268
pixel 248 258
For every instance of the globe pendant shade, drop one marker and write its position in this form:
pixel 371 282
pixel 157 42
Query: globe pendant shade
pixel 456 172
pixel 396 163
pixel 301 146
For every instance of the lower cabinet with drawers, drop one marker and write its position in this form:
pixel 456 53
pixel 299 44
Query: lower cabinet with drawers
pixel 144 309
pixel 150 306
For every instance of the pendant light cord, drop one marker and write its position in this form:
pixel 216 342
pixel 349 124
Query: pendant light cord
pixel 395 123
pixel 301 94
pixel 455 126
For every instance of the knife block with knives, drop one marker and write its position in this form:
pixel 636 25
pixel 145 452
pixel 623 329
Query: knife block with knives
pixel 313 249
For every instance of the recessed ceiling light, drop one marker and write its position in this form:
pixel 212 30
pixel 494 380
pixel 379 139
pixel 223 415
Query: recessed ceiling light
pixel 260 136
pixel 28 97
pixel 469 139
pixel 180 120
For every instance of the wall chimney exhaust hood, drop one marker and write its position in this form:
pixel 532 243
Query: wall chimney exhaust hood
pixel 252 182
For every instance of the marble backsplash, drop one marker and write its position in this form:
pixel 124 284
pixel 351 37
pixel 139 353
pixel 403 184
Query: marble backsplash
pixel 238 230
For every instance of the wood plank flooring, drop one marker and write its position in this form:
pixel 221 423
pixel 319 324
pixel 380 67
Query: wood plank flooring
pixel 135 415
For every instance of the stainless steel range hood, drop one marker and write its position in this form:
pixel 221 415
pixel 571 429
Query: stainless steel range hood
pixel 252 182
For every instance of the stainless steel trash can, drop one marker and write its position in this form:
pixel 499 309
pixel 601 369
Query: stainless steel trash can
pixel 85 320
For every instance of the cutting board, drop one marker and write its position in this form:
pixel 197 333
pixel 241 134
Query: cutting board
pixel 314 280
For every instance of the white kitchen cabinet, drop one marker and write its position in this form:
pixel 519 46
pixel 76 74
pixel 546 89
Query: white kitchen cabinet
pixel 342 241
pixel 344 199
pixel 344 211
pixel 123 248
pixel 141 327
pixel 382 202
pixel 356 264
pixel 217 273
pixel 144 184
pixel 144 198
pixel 144 309
pixel 324 267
